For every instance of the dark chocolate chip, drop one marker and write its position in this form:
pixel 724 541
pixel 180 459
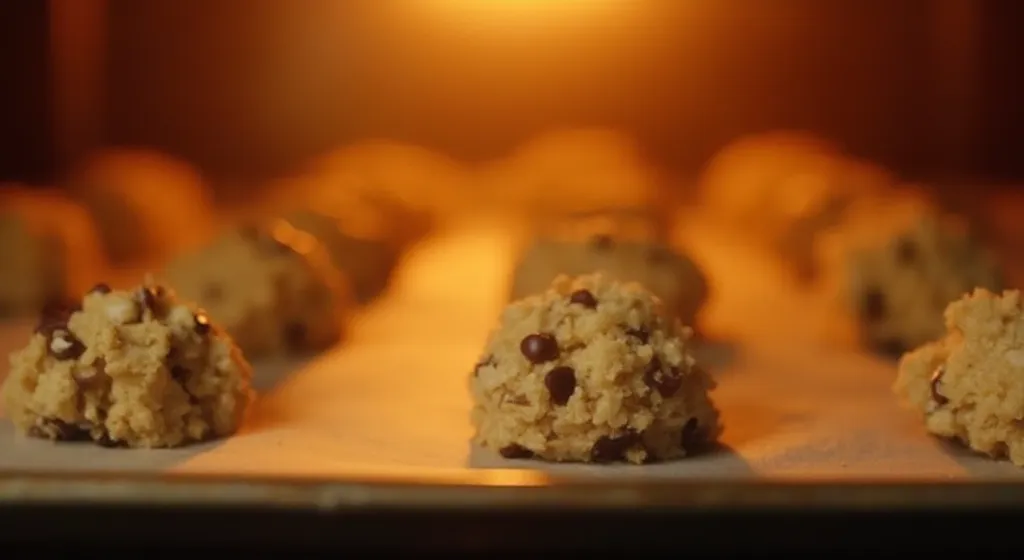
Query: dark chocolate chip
pixel 873 305
pixel 906 251
pixel 515 451
pixel 640 334
pixel 59 430
pixel 294 334
pixel 106 441
pixel 561 383
pixel 610 449
pixel 179 373
pixel 602 242
pixel 202 323
pixel 539 348
pixel 667 383
pixel 55 315
pixel 149 297
pixel 100 288
pixel 938 397
pixel 584 298
pixel 213 292
pixel 693 438
pixel 68 345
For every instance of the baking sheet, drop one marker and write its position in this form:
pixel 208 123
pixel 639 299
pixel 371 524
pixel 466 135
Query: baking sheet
pixel 393 398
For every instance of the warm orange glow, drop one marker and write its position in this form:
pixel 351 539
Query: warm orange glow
pixel 519 12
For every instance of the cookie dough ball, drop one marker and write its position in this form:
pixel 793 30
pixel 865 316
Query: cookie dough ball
pixel 628 255
pixel 590 370
pixel 147 205
pixel 969 385
pixel 897 288
pixel 129 369
pixel 49 249
pixel 569 171
pixel 783 188
pixel 272 287
pixel 365 255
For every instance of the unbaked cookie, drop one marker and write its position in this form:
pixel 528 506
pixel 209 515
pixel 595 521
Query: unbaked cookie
pixel 49 249
pixel 969 385
pixel 129 369
pixel 783 188
pixel 590 370
pixel 365 255
pixel 148 206
pixel 898 287
pixel 621 249
pixel 272 287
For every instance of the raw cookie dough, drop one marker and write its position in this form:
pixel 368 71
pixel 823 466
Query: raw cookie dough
pixel 783 188
pixel 970 384
pixel 147 205
pixel 128 369
pixel 897 288
pixel 49 249
pixel 365 255
pixel 622 250
pixel 272 287
pixel 591 370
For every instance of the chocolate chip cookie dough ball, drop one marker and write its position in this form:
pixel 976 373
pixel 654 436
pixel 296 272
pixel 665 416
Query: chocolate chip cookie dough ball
pixel 572 171
pixel 148 206
pixel 620 252
pixel 128 369
pixel 898 285
pixel 272 287
pixel 969 385
pixel 364 254
pixel 782 189
pixel 590 370
pixel 49 249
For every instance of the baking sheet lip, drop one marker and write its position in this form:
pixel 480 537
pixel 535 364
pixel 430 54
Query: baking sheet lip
pixel 333 494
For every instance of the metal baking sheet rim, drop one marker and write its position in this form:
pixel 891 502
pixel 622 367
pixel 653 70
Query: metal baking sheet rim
pixel 497 489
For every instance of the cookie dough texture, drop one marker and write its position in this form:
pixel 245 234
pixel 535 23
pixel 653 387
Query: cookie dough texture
pixel 365 254
pixel 148 206
pixel 783 188
pixel 898 287
pixel 590 370
pixel 49 249
pixel 671 275
pixel 969 385
pixel 271 286
pixel 128 369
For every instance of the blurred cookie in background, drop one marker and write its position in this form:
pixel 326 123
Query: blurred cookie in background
pixel 571 171
pixel 147 205
pixel 49 247
pixel 781 189
pixel 271 286
pixel 624 246
pixel 899 264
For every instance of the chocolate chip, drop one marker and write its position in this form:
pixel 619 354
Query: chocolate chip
pixel 100 288
pixel 693 438
pixel 213 292
pixel 936 379
pixel 294 335
pixel 179 373
pixel 150 297
pixel 640 334
pixel 906 251
pixel 665 382
pixel 202 323
pixel 59 430
pixel 609 449
pixel 55 315
pixel 584 298
pixel 561 383
pixel 539 348
pixel 64 345
pixel 488 361
pixel 515 451
pixel 602 242
pixel 106 441
pixel 873 305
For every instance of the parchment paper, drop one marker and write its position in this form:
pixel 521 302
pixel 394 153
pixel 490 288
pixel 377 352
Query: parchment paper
pixel 393 398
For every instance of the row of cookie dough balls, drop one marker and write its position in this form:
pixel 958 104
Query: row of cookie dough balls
pixel 888 253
